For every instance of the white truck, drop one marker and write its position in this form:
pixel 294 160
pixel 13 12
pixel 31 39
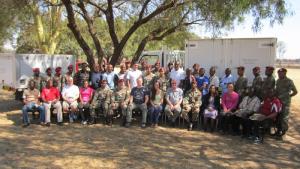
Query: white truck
pixel 16 69
pixel 231 53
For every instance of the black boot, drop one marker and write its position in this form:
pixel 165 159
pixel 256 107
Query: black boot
pixel 92 121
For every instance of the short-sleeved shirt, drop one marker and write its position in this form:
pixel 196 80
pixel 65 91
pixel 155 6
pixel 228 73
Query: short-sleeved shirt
pixel 214 80
pixel 50 94
pixel 96 77
pixel 177 75
pixel 31 95
pixel 70 92
pixel 202 80
pixel 110 77
pixel 283 89
pixel 86 94
pixel 271 106
pixel 174 95
pixel 132 76
pixel 139 94
pixel 157 97
pixel 224 81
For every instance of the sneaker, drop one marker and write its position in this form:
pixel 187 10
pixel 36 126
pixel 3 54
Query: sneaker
pixel 257 140
pixel 143 125
pixel 47 124
pixel 84 122
pixel 190 127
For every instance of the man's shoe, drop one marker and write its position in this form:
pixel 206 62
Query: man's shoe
pixel 127 125
pixel 257 140
pixel 47 124
pixel 190 128
pixel 60 123
pixel 84 122
pixel 143 125
pixel 26 125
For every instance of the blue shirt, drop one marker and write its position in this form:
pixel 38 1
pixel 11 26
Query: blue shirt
pixel 110 77
pixel 96 77
pixel 139 94
pixel 224 81
pixel 203 80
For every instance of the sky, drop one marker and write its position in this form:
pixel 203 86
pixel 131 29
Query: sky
pixel 288 32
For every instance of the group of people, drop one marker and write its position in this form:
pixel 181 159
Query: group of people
pixel 227 104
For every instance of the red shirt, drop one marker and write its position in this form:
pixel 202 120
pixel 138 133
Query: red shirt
pixel 86 94
pixel 50 94
pixel 271 106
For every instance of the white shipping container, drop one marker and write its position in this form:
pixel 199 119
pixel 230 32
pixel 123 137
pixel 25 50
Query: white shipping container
pixel 231 53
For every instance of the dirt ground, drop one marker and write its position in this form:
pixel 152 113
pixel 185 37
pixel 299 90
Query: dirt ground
pixel 99 146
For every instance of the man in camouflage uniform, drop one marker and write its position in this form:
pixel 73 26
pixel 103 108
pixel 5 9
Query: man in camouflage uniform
pixel 163 79
pixel 37 78
pixel 269 81
pixel 241 83
pixel 257 82
pixel 119 99
pixel 101 100
pixel 285 89
pixel 57 78
pixel 191 104
pixel 82 75
pixel 148 77
pixel 156 68
pixel 67 75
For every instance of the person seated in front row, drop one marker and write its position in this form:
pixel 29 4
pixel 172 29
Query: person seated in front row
pixel 156 103
pixel 191 105
pixel 138 100
pixel 266 117
pixel 230 101
pixel 31 103
pixel 51 97
pixel 120 99
pixel 174 99
pixel 85 98
pixel 70 94
pixel 250 104
pixel 211 106
pixel 101 101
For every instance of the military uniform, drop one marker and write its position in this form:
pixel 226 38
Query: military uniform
pixel 256 85
pixel 120 99
pixel 283 88
pixel 38 82
pixel 101 99
pixel 165 83
pixel 268 83
pixel 191 103
pixel 80 77
pixel 147 79
pixel 58 81
pixel 241 85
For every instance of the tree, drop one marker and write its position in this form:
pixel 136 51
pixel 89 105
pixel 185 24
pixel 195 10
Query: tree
pixel 159 19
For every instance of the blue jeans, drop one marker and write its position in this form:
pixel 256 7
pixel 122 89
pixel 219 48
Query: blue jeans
pixel 29 107
pixel 155 113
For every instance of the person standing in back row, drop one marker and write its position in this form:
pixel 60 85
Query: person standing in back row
pixel 227 78
pixel 241 82
pixel 285 90
pixel 269 81
pixel 257 82
pixel 133 75
pixel 82 75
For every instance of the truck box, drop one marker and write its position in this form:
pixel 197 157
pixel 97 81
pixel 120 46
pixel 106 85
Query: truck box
pixel 231 53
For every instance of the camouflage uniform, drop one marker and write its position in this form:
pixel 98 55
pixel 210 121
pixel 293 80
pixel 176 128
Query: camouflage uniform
pixel 38 82
pixel 58 80
pixel 268 83
pixel 256 85
pixel 283 89
pixel 191 103
pixel 147 79
pixel 120 97
pixel 165 84
pixel 80 77
pixel 241 85
pixel 101 100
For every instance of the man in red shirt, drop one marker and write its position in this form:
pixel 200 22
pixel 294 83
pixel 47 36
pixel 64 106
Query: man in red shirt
pixel 268 113
pixel 50 97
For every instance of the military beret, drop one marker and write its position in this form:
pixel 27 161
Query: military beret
pixel 271 68
pixel 36 69
pixel 49 68
pixel 282 70
pixel 70 66
pixel 58 69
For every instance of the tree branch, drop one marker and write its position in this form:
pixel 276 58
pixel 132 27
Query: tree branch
pixel 111 23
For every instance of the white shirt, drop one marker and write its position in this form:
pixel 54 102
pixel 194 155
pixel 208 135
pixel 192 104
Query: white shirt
pixel 177 75
pixel 132 76
pixel 70 92
pixel 214 80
